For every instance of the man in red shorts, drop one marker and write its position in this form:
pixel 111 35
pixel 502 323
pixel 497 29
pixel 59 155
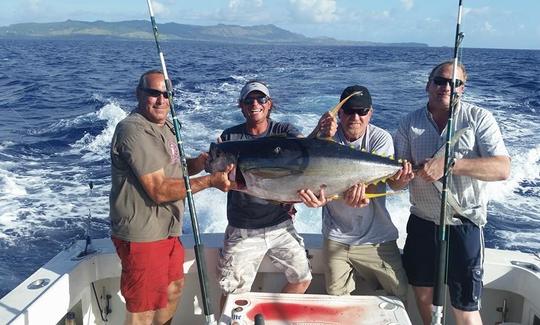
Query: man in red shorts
pixel 146 204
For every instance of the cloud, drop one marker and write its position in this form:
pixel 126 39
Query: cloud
pixel 159 8
pixel 236 5
pixel 237 12
pixel 317 11
pixel 34 6
pixel 487 27
pixel 408 4
pixel 477 11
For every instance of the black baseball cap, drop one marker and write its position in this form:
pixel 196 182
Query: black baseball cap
pixel 361 101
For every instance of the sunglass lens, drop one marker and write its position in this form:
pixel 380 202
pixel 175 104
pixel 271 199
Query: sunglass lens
pixel 360 112
pixel 260 100
pixel 156 93
pixel 440 81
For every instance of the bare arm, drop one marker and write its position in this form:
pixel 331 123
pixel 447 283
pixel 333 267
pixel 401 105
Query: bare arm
pixel 163 189
pixel 496 168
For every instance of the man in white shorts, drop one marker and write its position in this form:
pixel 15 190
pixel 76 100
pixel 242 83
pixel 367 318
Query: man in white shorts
pixel 258 227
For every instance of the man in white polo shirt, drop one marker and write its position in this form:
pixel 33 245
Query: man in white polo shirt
pixel 479 157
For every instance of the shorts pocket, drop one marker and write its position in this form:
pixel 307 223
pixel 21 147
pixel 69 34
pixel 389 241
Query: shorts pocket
pixel 477 284
pixel 233 234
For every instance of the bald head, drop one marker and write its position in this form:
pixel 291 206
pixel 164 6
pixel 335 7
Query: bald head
pixel 435 71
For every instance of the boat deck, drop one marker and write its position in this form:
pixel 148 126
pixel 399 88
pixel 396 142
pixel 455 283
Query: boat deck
pixel 86 285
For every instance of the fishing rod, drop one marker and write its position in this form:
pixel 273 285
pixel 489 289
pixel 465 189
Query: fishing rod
pixel 88 250
pixel 199 248
pixel 439 291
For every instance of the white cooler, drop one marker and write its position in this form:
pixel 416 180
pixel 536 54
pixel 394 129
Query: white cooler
pixel 297 309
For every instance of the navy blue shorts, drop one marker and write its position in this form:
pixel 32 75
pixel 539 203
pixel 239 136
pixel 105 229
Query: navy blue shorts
pixel 465 261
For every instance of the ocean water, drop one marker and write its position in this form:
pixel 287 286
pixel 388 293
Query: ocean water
pixel 60 102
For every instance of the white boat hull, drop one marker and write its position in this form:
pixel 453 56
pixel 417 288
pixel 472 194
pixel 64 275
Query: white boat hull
pixel 510 277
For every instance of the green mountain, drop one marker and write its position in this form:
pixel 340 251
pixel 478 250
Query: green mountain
pixel 142 30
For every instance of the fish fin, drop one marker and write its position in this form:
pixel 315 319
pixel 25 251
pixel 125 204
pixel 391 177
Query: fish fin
pixel 378 180
pixel 376 195
pixel 279 135
pixel 333 197
pixel 333 112
pixel 451 199
pixel 455 138
pixel 440 152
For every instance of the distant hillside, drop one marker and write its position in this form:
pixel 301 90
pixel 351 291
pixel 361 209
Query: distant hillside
pixel 141 30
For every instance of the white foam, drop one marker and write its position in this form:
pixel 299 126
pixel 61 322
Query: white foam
pixel 516 239
pixel 98 146
pixel 211 205
pixel 5 144
pixel 10 186
pixel 307 220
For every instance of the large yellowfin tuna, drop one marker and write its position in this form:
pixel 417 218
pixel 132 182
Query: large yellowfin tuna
pixel 276 168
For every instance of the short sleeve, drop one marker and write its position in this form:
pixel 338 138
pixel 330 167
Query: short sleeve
pixel 381 143
pixel 489 136
pixel 144 152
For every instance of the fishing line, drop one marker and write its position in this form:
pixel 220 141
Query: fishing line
pixel 198 248
pixel 439 291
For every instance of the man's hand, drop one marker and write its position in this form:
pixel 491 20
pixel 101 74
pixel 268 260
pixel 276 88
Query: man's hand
pixel 222 180
pixel 196 165
pixel 402 178
pixel 432 170
pixel 356 197
pixel 311 200
pixel 327 125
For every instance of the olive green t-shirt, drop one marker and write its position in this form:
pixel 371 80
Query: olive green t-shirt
pixel 140 147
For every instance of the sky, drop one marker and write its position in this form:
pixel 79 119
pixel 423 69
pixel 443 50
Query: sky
pixel 485 23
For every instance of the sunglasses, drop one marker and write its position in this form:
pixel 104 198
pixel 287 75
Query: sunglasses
pixel 260 100
pixel 440 81
pixel 361 112
pixel 155 93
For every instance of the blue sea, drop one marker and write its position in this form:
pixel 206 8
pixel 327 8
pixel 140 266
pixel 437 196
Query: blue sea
pixel 60 102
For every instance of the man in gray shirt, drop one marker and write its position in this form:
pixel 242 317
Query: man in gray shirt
pixel 146 204
pixel 360 238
